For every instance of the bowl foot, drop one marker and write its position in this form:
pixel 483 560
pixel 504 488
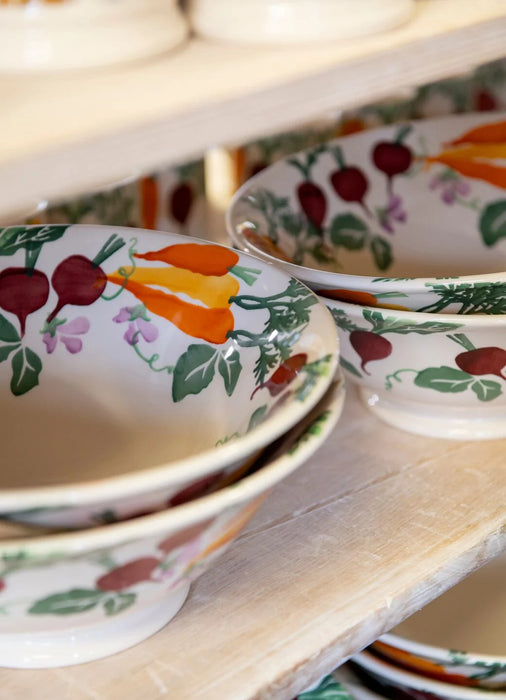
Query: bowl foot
pixel 76 645
pixel 433 421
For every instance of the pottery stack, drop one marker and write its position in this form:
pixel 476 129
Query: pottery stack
pixel 156 388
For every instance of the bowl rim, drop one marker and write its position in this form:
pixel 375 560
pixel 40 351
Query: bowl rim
pixel 436 653
pixel 178 517
pixel 203 463
pixel 312 275
pixel 473 320
pixel 447 691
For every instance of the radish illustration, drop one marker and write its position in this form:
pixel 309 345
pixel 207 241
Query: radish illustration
pixel 180 202
pixel 311 196
pixel 23 291
pixel 393 157
pixel 489 360
pixel 128 575
pixel 79 281
pixel 349 182
pixel 178 539
pixel 284 375
pixel 370 346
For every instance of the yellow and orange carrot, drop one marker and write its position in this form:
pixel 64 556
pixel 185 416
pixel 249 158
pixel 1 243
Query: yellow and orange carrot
pixel 212 291
pixel 211 324
pixel 206 259
pixel 494 132
pixel 476 169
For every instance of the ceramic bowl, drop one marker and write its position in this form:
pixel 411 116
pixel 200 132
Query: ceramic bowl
pixel 171 199
pixel 409 215
pixel 441 375
pixel 426 643
pixel 295 21
pixel 141 369
pixel 56 35
pixel 79 596
pixel 399 684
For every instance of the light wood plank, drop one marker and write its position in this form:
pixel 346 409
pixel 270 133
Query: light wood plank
pixel 376 525
pixel 65 134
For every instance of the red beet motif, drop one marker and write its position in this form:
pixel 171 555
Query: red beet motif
pixel 180 202
pixel 178 539
pixel 284 375
pixel 128 575
pixel 311 197
pixel 485 102
pixel 23 291
pixel 393 157
pixel 199 488
pixel 349 182
pixel 370 347
pixel 490 360
pixel 79 281
pixel 313 203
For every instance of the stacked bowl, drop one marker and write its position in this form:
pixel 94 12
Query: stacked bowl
pixel 156 388
pixel 424 656
pixel 401 232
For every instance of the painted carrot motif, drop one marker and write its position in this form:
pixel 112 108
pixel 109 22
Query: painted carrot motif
pixel 210 290
pixel 205 259
pixel 211 324
pixel 487 133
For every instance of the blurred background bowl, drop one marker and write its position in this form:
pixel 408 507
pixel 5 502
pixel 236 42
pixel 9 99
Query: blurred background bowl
pixel 55 35
pixel 294 21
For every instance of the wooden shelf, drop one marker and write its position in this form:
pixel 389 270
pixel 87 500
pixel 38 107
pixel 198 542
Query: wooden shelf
pixel 378 523
pixel 66 134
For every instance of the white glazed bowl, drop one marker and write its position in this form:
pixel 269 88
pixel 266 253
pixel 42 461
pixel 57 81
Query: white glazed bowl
pixel 151 367
pixel 38 36
pixel 389 216
pixel 295 21
pixel 401 685
pixel 471 615
pixel 72 598
pixel 442 375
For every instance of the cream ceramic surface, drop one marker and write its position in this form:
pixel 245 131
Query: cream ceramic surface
pixel 459 637
pixel 71 598
pixel 410 215
pixel 416 686
pixel 290 21
pixel 69 34
pixel 441 375
pixel 116 342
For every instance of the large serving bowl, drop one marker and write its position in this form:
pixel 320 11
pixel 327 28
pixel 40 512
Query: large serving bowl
pixel 471 616
pixel 442 375
pixel 71 598
pixel 140 369
pixel 410 215
pixel 399 684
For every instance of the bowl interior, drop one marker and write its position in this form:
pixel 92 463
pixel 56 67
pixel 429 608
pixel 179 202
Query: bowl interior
pixel 425 199
pixel 124 349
